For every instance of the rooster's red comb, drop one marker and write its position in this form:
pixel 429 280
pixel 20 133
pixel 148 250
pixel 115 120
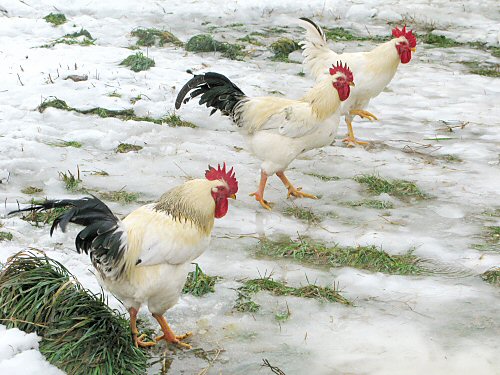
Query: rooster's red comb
pixel 220 174
pixel 412 40
pixel 342 69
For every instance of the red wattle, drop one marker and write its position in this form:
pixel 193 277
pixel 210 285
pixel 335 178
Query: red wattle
pixel 405 56
pixel 344 92
pixel 221 207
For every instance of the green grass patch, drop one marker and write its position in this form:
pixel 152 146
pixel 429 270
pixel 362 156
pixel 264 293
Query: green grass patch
pixel 451 158
pixel 175 121
pixel 122 114
pixel 302 213
pixel 30 190
pixel 369 258
pixel 155 37
pixel 492 276
pixel 55 19
pixel 250 40
pixel 322 177
pixel 138 62
pixel 495 51
pixel 5 236
pixel 283 47
pixel 371 203
pixel 71 182
pixel 127 147
pixel 199 283
pixel 483 69
pixel 493 234
pixel 440 41
pixel 81 38
pixel 80 334
pixel 114 94
pixel 244 301
pixel 341 34
pixel 74 144
pixel 100 173
pixel 206 43
pixel 283 315
pixel 397 188
pixel 121 196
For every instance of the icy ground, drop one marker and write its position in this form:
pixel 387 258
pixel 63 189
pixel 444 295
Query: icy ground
pixel 443 323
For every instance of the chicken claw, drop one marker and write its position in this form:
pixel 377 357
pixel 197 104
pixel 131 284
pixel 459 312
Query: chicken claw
pixel 143 344
pixel 363 114
pixel 169 335
pixel 262 201
pixel 351 142
pixel 297 193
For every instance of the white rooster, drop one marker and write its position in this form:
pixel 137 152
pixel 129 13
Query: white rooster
pixel 145 258
pixel 277 130
pixel 373 70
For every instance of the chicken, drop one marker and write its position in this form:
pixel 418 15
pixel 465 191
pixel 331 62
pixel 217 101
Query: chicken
pixel 145 258
pixel 373 70
pixel 276 130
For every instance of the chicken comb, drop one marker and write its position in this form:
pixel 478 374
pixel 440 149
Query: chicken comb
pixel 229 177
pixel 412 40
pixel 342 69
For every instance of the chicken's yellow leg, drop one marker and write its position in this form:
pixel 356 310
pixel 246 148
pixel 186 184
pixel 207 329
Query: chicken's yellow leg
pixel 363 114
pixel 169 335
pixel 133 327
pixel 259 194
pixel 351 140
pixel 291 190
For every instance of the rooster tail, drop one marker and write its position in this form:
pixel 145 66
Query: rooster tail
pixel 216 90
pixel 103 238
pixel 315 48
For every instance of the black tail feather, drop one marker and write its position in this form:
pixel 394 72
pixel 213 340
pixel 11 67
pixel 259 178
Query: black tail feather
pixel 216 91
pixel 320 31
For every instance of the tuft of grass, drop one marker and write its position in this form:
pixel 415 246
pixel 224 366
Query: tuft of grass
pixel 398 188
pixel 251 40
pixel 121 196
pixel 74 144
pixel 452 158
pixel 127 147
pixel 55 19
pixel 138 62
pixel 199 283
pixel 30 190
pixel 80 334
pixel 114 94
pixel 341 34
pixel 44 217
pixel 152 37
pixel 492 276
pixel 371 203
pixel 495 51
pixel 302 213
pixel 5 236
pixel 81 38
pixel 122 114
pixel 100 173
pixel 322 177
pixel 440 41
pixel 206 43
pixel 369 258
pixel 175 121
pixel 71 182
pixel 283 315
pixel 283 47
pixel 493 234
pixel 483 69
pixel 251 287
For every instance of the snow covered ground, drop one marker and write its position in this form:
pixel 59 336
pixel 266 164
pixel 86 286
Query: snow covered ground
pixel 443 323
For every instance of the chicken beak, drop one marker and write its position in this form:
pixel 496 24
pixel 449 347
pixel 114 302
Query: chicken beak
pixel 414 49
pixel 232 196
pixel 352 84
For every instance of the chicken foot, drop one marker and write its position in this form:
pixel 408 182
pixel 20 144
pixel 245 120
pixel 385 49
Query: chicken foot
pixel 169 335
pixel 135 332
pixel 295 192
pixel 259 194
pixel 351 139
